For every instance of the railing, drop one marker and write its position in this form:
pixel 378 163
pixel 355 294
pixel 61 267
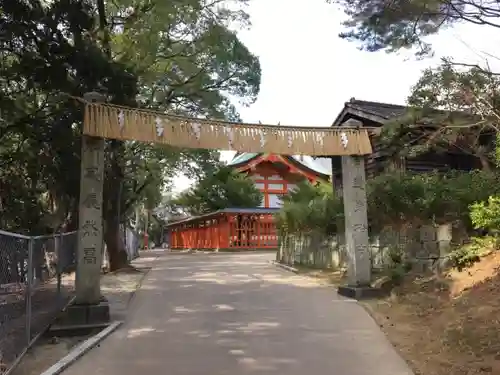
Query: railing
pixel 252 232
pixel 226 231
pixel 33 286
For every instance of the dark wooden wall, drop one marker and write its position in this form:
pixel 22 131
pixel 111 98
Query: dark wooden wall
pixel 378 162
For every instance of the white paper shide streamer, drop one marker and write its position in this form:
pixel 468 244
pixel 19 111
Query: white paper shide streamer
pixel 230 137
pixel 196 129
pixel 159 126
pixel 343 139
pixel 121 119
pixel 321 138
pixel 290 139
pixel 262 134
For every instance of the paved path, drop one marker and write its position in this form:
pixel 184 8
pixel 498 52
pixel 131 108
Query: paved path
pixel 233 314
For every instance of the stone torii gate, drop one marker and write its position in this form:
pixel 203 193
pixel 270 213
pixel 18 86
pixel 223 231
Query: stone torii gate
pixel 102 120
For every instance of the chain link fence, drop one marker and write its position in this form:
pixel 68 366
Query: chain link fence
pixel 35 283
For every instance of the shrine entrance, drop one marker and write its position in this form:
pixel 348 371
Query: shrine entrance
pixel 106 121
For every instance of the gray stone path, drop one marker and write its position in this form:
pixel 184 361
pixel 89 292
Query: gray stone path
pixel 232 314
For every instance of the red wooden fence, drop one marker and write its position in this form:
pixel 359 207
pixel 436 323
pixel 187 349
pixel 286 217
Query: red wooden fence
pixel 226 229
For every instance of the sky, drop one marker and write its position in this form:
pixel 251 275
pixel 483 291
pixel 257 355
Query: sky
pixel 308 72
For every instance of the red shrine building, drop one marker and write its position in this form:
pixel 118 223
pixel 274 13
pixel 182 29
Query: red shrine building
pixel 253 227
pixel 275 175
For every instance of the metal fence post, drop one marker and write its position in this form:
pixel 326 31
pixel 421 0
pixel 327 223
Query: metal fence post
pixel 29 285
pixel 58 244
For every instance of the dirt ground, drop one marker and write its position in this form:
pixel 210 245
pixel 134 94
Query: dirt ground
pixel 47 352
pixel 443 325
pixel 333 277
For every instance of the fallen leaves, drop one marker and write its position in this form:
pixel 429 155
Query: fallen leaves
pixel 449 324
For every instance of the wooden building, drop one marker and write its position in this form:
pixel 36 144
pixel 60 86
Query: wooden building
pixel 275 175
pixel 253 227
pixel 374 114
pixel 226 230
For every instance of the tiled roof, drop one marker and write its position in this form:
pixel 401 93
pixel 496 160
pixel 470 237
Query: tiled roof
pixel 384 110
pixel 256 210
pixel 242 157
pixel 318 165
pixel 381 111
pixel 388 111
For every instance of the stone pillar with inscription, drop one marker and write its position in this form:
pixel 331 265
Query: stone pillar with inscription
pixel 356 223
pixel 90 307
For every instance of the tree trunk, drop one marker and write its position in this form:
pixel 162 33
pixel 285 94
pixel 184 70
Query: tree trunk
pixel 137 218
pixel 485 163
pixel 146 231
pixel 116 251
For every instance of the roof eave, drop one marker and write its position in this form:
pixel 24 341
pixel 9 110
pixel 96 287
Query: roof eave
pixel 245 162
pixel 349 110
pixel 230 210
pixel 298 164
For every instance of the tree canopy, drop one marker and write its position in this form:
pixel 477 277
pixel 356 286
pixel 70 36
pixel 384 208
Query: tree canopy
pixel 225 188
pixel 182 57
pixel 393 25
pixel 310 208
pixel 452 107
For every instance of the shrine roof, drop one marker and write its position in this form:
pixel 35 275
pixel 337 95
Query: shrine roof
pixel 243 157
pixel 318 165
pixel 230 210
pixel 377 112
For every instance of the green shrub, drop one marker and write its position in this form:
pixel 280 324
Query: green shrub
pixel 400 199
pixel 486 215
pixel 310 208
pixel 397 267
pixel 395 200
pixel 397 274
pixel 465 256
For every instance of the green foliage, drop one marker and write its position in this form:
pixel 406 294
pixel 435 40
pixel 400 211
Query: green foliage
pixel 43 55
pixel 398 266
pixel 310 208
pixel 393 25
pixel 455 89
pixel 451 110
pixel 225 188
pixel 398 199
pixel 394 200
pixel 178 56
pixel 497 149
pixel 467 255
pixel 187 56
pixel 467 95
pixel 486 215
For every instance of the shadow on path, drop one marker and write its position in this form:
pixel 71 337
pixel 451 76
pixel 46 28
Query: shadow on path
pixel 237 314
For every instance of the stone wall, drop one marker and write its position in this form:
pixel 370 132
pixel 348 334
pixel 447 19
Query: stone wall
pixel 425 246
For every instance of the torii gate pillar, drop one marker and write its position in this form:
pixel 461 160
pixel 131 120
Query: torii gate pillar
pixel 90 307
pixel 356 224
